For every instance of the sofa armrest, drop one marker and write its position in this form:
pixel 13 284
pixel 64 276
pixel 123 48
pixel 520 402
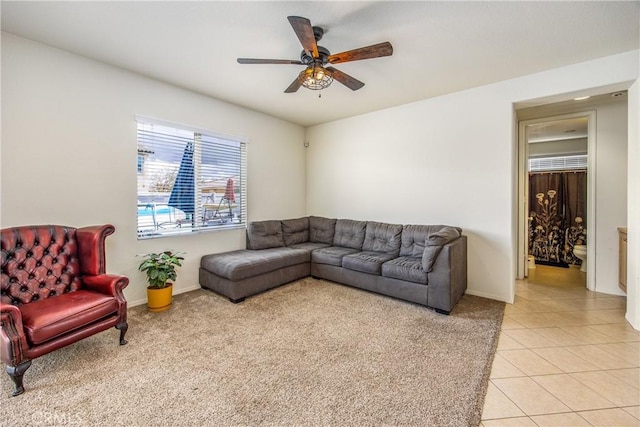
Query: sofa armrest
pixel 447 281
pixel 13 341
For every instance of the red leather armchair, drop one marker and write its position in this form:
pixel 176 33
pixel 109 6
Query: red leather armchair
pixel 54 292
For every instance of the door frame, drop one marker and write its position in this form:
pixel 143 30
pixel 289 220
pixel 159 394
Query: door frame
pixel 523 193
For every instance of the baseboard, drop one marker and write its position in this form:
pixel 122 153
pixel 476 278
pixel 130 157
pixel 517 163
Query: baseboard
pixel 486 295
pixel 144 300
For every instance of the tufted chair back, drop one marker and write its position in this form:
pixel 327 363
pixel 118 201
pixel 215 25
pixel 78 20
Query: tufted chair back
pixel 38 262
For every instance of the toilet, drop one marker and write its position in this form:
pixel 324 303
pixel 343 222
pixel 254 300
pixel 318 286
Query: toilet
pixel 580 251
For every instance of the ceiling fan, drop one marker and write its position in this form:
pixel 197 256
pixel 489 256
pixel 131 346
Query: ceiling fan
pixel 317 75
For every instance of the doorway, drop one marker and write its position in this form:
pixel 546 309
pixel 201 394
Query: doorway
pixel 556 193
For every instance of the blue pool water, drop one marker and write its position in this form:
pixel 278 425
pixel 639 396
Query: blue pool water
pixel 148 211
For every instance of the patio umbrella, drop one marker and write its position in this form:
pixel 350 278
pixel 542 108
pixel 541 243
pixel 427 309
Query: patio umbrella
pixel 229 192
pixel 182 193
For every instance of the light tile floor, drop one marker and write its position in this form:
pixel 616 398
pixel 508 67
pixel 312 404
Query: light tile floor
pixel 566 357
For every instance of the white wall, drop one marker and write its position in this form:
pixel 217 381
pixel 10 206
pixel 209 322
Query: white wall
pixel 413 165
pixel 69 153
pixel 449 160
pixel 611 194
pixel 610 182
pixel 633 208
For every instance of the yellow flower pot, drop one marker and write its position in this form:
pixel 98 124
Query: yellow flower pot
pixel 159 299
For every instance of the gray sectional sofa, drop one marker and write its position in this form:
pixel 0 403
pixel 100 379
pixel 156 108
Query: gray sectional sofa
pixel 424 264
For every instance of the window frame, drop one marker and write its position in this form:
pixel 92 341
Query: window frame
pixel 199 212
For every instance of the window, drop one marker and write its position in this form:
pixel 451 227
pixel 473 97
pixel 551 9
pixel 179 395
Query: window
pixel 188 180
pixel 140 163
pixel 558 163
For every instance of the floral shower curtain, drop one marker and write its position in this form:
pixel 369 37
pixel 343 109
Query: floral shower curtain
pixel 557 217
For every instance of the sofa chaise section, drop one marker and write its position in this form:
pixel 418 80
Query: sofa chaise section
pixel 243 273
pixel 265 264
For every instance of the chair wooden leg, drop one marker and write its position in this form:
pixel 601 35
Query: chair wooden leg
pixel 122 327
pixel 16 373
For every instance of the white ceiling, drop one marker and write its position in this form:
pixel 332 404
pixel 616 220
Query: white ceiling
pixel 439 47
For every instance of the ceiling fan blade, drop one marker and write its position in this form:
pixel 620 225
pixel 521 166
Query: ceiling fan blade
pixel 304 31
pixel 350 82
pixel 267 61
pixel 295 85
pixel 373 51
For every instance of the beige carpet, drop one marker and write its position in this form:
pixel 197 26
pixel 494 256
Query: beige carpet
pixel 310 353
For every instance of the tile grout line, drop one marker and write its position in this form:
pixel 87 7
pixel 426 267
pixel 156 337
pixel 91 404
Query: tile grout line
pixel 596 314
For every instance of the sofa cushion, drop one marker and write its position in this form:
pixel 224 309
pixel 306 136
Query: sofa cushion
pixel 310 246
pixel 242 264
pixel 321 230
pixel 332 255
pixel 264 235
pixel 417 233
pixel 438 238
pixel 444 236
pixel 405 268
pixel 295 231
pixel 381 237
pixel 48 318
pixel 349 233
pixel 430 250
pixel 429 257
pixel 366 261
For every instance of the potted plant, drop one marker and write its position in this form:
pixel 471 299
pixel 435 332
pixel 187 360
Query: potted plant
pixel 160 268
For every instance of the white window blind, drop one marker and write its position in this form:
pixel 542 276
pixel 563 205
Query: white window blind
pixel 190 181
pixel 558 163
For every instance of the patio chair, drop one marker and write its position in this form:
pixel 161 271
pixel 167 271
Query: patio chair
pixel 229 199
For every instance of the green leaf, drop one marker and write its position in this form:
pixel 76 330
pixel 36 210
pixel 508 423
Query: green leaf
pixel 160 267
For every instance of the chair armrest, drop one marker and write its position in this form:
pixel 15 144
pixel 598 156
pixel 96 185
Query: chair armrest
pixel 108 284
pixel 13 341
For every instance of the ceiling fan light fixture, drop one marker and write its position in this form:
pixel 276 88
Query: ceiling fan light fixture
pixel 315 77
